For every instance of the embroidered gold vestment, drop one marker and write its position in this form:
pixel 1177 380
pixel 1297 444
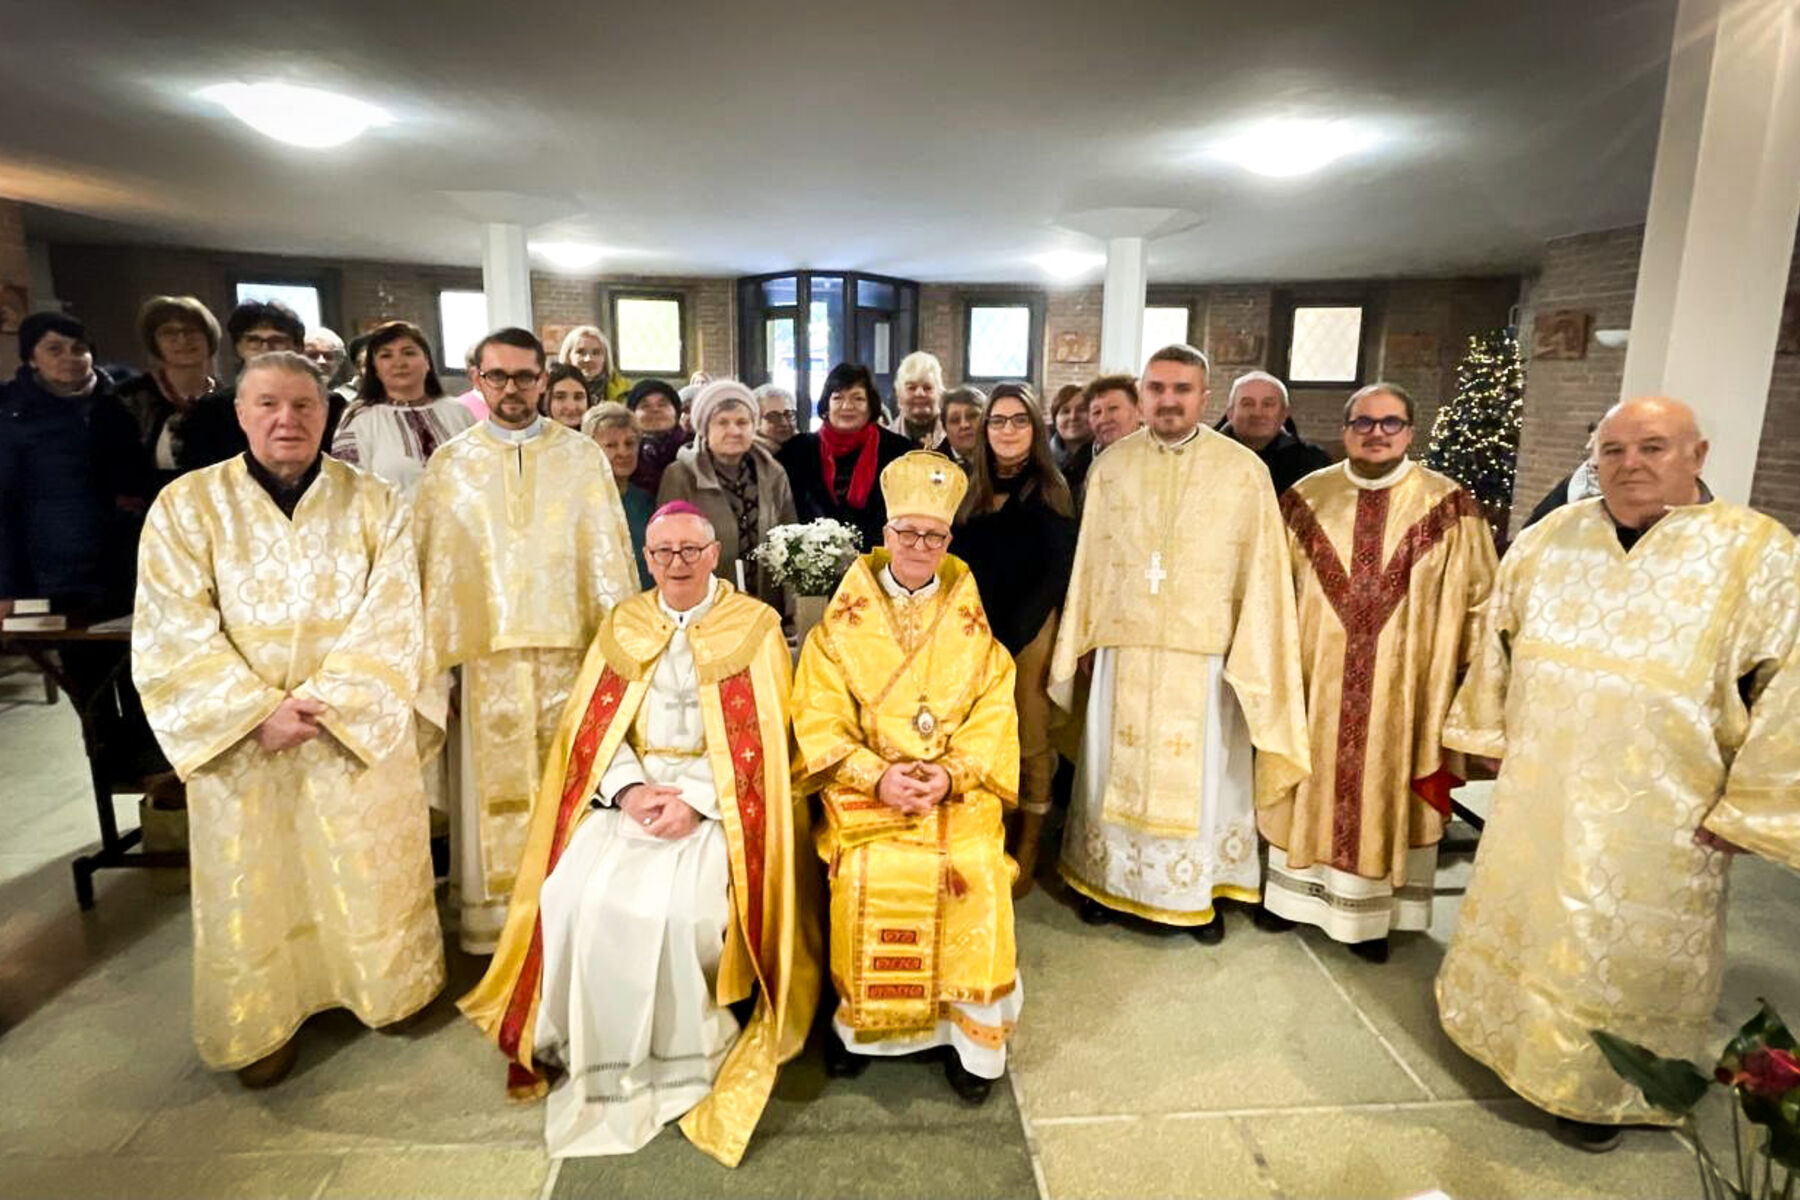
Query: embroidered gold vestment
pixel 921 906
pixel 771 946
pixel 1634 698
pixel 311 867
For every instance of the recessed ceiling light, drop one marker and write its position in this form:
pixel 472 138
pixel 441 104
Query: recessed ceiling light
pixel 569 256
pixel 1068 264
pixel 299 116
pixel 1285 148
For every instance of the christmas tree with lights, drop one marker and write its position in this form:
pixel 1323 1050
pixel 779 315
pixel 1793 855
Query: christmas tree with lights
pixel 1475 439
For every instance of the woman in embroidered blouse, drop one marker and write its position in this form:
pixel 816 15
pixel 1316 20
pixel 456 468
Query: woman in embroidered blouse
pixel 402 414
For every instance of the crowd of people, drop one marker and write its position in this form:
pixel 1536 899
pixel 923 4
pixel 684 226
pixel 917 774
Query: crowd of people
pixel 535 608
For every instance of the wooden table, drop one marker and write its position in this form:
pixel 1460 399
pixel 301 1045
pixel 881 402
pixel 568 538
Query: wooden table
pixel 115 847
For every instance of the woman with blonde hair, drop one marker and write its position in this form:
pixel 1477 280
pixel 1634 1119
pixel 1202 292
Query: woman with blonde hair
pixel 588 351
pixel 611 425
pixel 1016 531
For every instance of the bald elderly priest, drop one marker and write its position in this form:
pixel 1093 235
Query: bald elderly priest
pixel 903 712
pixel 658 884
pixel 277 644
pixel 1638 671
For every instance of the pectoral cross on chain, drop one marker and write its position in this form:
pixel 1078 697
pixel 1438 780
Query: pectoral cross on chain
pixel 677 707
pixel 1155 573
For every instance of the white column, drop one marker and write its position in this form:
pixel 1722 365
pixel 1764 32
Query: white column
pixel 1122 309
pixel 506 275
pixel 1724 202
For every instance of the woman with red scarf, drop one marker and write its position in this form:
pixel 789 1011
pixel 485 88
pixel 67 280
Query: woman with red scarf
pixel 834 469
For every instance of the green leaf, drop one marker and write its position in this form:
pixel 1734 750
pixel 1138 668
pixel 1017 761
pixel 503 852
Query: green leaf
pixel 1766 1028
pixel 1672 1084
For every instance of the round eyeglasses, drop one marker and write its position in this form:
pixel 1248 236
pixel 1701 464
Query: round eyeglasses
pixel 664 555
pixel 1368 425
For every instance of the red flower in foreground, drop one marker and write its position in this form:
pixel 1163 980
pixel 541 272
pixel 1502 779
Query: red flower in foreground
pixel 1770 1073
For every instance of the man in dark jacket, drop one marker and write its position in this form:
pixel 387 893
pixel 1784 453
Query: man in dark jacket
pixel 1256 415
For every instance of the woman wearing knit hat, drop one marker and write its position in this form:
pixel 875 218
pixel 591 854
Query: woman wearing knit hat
pixel 735 483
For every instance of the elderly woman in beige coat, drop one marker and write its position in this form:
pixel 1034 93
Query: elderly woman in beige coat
pixel 740 487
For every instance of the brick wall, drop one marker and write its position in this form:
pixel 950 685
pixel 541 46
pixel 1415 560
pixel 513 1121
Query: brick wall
pixel 15 272
pixel 1597 272
pixel 105 284
pixel 1228 316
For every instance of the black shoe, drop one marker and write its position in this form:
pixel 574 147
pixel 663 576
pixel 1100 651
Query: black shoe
pixel 970 1088
pixel 840 1061
pixel 1211 933
pixel 1262 918
pixel 1585 1135
pixel 1375 951
pixel 1093 912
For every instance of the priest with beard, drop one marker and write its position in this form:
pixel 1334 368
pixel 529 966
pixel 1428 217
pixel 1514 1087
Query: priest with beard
pixel 660 892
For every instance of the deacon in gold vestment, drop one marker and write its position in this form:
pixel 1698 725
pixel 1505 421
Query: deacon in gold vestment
pixel 659 882
pixel 1638 670
pixel 903 711
pixel 1390 561
pixel 1183 594
pixel 523 548
pixel 276 644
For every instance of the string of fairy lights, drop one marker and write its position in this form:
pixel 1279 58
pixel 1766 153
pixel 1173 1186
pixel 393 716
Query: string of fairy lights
pixel 1475 439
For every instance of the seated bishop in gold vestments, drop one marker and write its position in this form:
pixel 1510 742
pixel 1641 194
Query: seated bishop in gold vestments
pixel 904 716
pixel 523 548
pixel 1638 674
pixel 276 643
pixel 659 884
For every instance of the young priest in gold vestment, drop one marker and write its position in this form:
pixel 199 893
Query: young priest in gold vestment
pixel 904 716
pixel 523 548
pixel 1391 560
pixel 659 883
pixel 276 643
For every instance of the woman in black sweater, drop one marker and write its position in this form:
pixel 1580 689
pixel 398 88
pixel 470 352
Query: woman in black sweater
pixel 1017 533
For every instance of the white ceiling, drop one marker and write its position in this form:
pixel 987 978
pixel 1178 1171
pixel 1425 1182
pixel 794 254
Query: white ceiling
pixel 922 138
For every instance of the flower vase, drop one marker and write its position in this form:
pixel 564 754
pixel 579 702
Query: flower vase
pixel 808 611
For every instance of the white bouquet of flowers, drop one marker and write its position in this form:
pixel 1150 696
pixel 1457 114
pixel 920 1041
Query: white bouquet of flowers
pixel 809 558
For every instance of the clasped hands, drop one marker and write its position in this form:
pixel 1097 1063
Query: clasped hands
pixel 913 788
pixel 294 722
pixel 658 810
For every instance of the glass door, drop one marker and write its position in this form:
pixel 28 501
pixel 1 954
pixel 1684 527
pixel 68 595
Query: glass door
pixel 848 317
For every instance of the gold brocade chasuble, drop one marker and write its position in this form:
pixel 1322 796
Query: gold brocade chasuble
pixel 311 867
pixel 1634 698
pixel 1182 550
pixel 921 906
pixel 523 548
pixel 744 673
pixel 1388 581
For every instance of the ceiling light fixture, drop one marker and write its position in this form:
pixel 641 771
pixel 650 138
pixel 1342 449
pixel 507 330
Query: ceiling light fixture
pixel 1283 149
pixel 1068 264
pixel 299 116
pixel 569 256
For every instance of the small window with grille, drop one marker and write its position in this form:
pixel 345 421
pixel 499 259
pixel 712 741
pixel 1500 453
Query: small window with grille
pixel 1325 346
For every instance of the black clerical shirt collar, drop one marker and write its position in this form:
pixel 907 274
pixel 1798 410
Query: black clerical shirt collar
pixel 1629 537
pixel 285 495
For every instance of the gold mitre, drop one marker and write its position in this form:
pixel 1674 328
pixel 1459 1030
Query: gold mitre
pixel 922 483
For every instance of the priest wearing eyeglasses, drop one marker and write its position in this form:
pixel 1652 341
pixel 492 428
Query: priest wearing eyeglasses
pixel 523 549
pixel 1391 560
pixel 904 716
pixel 659 884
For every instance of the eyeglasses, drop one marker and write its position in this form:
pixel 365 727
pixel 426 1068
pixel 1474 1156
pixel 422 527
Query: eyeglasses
pixel 519 379
pixel 911 538
pixel 1368 425
pixel 1015 421
pixel 781 416
pixel 177 332
pixel 664 555
pixel 269 341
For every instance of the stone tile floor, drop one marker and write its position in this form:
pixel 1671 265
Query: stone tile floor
pixel 1276 1065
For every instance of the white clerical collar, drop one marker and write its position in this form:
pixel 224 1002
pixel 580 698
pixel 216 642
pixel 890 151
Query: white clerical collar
pixel 1384 481
pixel 1178 443
pixel 899 591
pixel 684 619
pixel 516 437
